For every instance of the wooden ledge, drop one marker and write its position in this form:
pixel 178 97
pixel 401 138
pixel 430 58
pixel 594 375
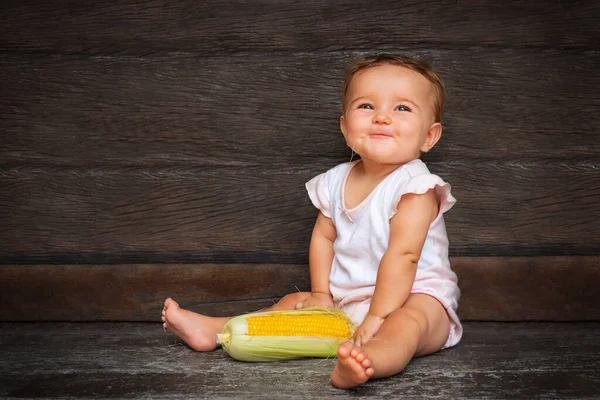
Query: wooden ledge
pixel 493 289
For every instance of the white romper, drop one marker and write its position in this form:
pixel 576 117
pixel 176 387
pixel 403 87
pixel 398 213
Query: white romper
pixel 363 235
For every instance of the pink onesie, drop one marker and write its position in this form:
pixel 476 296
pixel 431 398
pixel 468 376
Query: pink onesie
pixel 363 234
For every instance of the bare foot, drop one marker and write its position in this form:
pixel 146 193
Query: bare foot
pixel 353 367
pixel 197 330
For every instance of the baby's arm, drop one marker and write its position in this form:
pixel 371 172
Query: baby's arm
pixel 320 258
pixel 398 266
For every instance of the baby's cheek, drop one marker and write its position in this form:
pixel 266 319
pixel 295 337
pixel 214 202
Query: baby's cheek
pixel 357 144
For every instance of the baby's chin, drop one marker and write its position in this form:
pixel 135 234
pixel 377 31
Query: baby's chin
pixel 387 153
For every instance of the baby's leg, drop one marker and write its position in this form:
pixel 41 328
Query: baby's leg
pixel 200 331
pixel 420 327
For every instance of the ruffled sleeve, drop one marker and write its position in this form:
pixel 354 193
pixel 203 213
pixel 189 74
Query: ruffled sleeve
pixel 421 184
pixel 318 191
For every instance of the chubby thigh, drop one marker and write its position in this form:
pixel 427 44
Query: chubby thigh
pixel 432 322
pixel 422 317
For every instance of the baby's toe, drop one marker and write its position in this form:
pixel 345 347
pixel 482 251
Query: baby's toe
pixel 366 363
pixel 360 357
pixel 169 302
pixel 344 350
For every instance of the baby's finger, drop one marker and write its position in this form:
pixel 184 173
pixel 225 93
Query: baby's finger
pixel 357 340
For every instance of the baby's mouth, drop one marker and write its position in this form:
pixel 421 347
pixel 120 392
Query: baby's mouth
pixel 379 135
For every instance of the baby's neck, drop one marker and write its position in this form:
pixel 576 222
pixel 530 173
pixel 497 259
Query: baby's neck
pixel 375 171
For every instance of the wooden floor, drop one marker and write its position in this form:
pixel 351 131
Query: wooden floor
pixel 139 360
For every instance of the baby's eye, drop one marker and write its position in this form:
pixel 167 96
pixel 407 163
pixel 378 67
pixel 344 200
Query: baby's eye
pixel 366 106
pixel 402 107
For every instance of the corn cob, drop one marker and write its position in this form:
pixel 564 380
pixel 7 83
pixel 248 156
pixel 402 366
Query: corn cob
pixel 280 335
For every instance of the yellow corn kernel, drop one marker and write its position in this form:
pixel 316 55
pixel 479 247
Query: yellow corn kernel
pixel 320 325
pixel 280 335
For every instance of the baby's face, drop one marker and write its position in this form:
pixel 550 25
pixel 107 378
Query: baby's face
pixel 389 112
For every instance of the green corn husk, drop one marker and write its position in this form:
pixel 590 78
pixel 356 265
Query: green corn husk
pixel 241 346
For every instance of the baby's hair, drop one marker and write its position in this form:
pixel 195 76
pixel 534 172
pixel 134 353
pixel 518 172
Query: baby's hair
pixel 414 64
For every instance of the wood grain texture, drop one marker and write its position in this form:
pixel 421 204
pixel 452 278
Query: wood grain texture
pixel 493 289
pixel 529 288
pixel 263 214
pixel 174 108
pixel 145 134
pixel 140 361
pixel 274 25
pixel 137 292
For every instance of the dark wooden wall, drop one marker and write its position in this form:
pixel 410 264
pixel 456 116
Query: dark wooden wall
pixel 152 149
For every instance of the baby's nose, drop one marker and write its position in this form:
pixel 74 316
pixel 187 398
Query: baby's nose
pixel 382 118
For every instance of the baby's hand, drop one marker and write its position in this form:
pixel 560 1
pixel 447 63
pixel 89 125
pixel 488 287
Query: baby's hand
pixel 316 300
pixel 367 329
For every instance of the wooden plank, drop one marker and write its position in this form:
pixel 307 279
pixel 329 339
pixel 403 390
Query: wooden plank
pixel 263 214
pixel 165 109
pixel 529 288
pixel 274 25
pixel 215 210
pixel 137 292
pixel 493 289
pixel 140 361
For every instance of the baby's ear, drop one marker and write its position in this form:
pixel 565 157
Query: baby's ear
pixel 433 135
pixel 343 125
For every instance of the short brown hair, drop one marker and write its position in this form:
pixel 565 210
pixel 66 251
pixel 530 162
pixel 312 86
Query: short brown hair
pixel 416 65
